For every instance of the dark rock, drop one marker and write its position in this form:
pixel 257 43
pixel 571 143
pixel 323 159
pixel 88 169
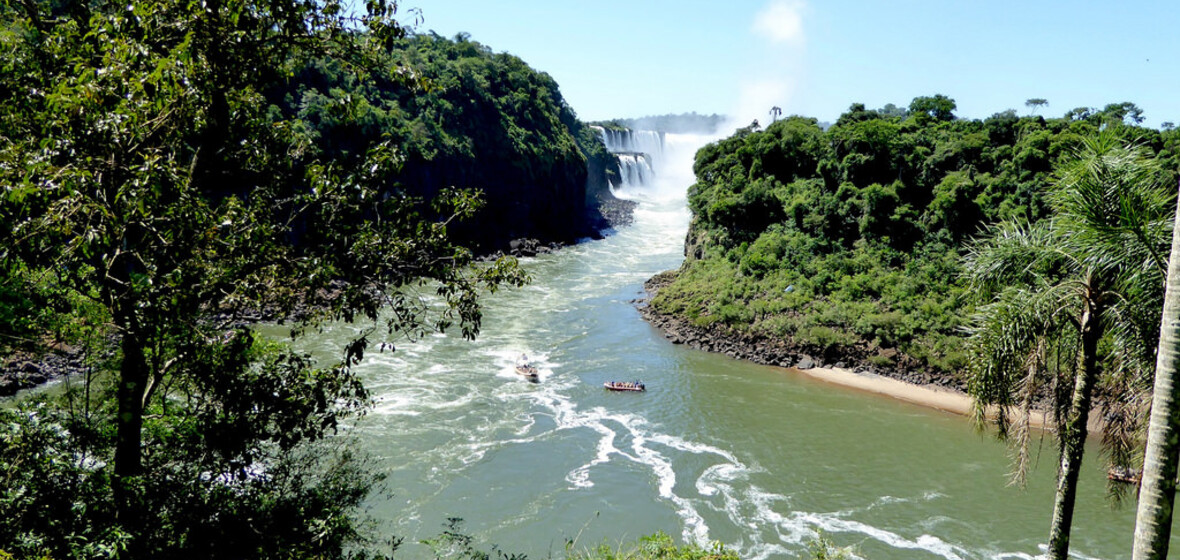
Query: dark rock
pixel 26 370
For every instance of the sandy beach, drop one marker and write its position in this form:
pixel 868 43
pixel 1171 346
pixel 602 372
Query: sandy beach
pixel 929 396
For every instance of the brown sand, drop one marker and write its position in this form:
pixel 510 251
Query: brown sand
pixel 935 397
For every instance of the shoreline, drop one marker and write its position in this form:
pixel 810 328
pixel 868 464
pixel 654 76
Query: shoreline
pixel 927 396
pixel 927 389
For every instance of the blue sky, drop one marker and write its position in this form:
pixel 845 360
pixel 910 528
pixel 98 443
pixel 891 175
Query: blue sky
pixel 815 57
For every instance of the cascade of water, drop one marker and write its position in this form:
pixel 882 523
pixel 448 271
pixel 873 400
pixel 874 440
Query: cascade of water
pixel 638 152
pixel 635 168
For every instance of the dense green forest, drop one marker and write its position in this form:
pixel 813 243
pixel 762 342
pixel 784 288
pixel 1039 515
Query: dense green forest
pixel 451 113
pixel 846 242
pixel 475 120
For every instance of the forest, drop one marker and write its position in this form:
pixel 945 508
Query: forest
pixel 474 120
pixel 173 172
pixel 847 241
pixel 1020 259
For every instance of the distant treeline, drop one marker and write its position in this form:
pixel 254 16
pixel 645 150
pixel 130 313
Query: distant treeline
pixel 846 242
pixel 684 123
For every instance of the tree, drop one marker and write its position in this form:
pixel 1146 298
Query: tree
pixel 1056 289
pixel 938 107
pixel 774 113
pixel 147 173
pixel 1125 112
pixel 1157 492
pixel 1080 113
pixel 891 110
pixel 1036 103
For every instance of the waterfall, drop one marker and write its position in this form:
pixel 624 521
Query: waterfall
pixel 638 153
pixel 635 168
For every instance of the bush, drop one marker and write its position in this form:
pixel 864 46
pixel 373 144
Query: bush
pixel 655 547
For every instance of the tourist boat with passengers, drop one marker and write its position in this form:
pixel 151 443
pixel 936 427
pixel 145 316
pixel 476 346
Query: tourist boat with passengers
pixel 527 370
pixel 624 386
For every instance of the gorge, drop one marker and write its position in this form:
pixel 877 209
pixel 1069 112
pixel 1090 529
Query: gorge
pixel 186 183
pixel 758 457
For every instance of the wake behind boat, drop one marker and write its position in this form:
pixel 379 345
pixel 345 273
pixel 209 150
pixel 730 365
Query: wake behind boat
pixel 526 369
pixel 624 386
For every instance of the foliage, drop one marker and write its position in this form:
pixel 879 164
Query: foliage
pixel 1157 491
pixel 1072 303
pixel 58 495
pixel 483 121
pixel 152 172
pixel 822 548
pixel 656 547
pixel 453 543
pixel 846 242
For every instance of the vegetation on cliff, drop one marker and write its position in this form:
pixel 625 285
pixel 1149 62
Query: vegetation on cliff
pixel 847 242
pixel 479 120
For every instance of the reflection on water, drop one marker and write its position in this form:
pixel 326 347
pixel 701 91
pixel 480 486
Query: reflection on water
pixel 715 449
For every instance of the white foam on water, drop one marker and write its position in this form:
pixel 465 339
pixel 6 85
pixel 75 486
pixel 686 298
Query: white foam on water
pixel 836 523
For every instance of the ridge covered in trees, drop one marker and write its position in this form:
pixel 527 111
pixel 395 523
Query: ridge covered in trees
pixel 479 120
pixel 846 242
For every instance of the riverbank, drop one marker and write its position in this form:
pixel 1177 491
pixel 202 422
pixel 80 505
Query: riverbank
pixel 24 370
pixel 780 352
pixel 924 388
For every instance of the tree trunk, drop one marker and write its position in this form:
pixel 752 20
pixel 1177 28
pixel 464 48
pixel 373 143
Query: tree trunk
pixel 1153 519
pixel 133 375
pixel 1074 438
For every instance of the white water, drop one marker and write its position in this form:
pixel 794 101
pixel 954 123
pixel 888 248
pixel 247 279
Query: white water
pixel 639 153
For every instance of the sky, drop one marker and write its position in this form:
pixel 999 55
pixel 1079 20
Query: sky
pixel 620 59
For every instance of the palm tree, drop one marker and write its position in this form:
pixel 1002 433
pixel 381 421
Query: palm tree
pixel 1053 290
pixel 1153 520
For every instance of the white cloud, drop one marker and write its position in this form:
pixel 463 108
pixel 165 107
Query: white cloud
pixel 778 72
pixel 781 21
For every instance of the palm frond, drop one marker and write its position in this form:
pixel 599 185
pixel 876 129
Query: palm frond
pixel 1003 335
pixel 1111 206
pixel 1022 437
pixel 1125 420
pixel 1013 253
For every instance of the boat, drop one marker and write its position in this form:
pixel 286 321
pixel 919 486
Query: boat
pixel 624 386
pixel 1123 474
pixel 526 369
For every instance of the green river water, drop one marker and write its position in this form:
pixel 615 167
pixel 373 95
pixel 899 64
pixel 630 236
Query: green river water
pixel 757 457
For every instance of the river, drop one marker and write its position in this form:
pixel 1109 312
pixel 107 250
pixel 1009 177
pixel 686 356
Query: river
pixel 716 449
